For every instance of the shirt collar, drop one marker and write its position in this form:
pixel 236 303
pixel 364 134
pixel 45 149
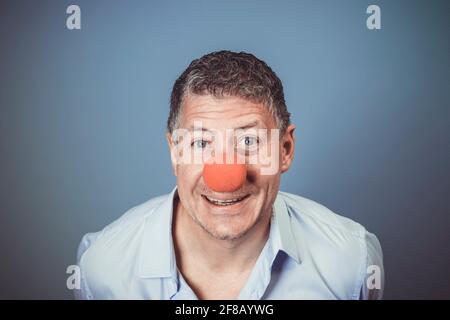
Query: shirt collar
pixel 282 229
pixel 157 254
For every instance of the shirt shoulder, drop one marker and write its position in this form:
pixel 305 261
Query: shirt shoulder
pixel 316 213
pixel 341 248
pixel 105 254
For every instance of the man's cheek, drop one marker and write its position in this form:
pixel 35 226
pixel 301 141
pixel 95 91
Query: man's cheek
pixel 188 174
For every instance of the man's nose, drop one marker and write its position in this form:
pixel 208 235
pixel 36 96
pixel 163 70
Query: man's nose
pixel 224 176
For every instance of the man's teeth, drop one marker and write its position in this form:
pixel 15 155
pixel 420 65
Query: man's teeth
pixel 223 202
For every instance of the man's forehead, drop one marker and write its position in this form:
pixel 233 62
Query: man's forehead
pixel 230 112
pixel 200 126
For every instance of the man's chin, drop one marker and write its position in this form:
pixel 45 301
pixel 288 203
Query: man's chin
pixel 226 235
pixel 226 223
pixel 224 230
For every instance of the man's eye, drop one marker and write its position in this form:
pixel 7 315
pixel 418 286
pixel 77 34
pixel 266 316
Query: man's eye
pixel 248 144
pixel 200 144
pixel 250 141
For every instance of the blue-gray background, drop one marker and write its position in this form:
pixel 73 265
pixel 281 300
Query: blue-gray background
pixel 83 115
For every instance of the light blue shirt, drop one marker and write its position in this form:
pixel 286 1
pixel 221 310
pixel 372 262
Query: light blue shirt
pixel 311 253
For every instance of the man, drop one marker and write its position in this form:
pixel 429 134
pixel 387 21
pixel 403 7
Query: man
pixel 226 231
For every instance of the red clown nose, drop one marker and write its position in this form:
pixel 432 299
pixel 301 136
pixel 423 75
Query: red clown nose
pixel 224 177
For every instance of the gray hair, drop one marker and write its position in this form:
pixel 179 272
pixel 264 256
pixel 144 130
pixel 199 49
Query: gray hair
pixel 228 73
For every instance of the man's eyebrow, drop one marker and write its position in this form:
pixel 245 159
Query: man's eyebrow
pixel 194 128
pixel 244 127
pixel 248 126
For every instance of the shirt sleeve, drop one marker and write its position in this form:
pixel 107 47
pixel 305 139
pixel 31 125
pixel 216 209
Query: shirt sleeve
pixel 84 293
pixel 373 284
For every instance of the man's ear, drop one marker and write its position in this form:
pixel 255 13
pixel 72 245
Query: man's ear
pixel 172 150
pixel 287 148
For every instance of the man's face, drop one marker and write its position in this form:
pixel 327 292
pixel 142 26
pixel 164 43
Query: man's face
pixel 217 118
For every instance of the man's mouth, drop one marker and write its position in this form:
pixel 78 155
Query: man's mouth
pixel 223 203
